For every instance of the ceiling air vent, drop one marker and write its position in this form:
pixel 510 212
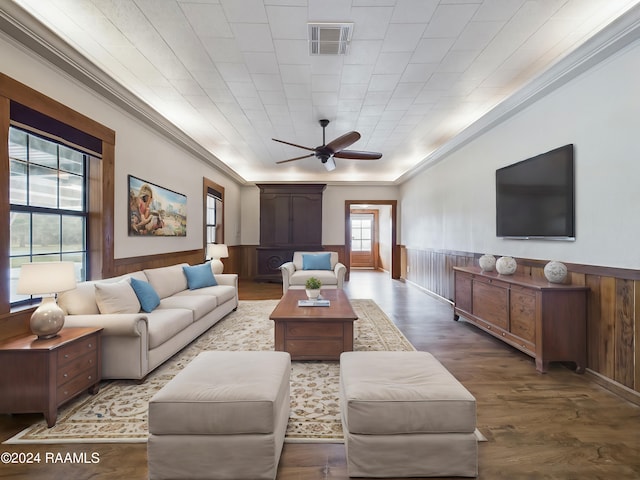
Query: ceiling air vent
pixel 329 38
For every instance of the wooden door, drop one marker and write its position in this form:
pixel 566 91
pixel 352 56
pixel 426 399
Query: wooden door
pixel 364 245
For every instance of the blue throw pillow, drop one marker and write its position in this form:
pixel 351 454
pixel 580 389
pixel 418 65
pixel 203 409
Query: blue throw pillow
pixel 316 261
pixel 147 296
pixel 200 276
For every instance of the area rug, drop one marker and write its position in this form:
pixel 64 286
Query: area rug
pixel 118 413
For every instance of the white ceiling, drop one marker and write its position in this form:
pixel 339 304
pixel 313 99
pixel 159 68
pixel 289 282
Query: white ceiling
pixel 232 74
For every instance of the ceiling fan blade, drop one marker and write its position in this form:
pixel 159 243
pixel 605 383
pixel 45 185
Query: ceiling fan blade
pixel 296 158
pixel 294 145
pixel 358 155
pixel 343 141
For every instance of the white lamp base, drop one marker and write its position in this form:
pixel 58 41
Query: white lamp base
pixel 216 265
pixel 48 319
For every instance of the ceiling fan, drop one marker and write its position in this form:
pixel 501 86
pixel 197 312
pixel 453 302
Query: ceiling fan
pixel 334 149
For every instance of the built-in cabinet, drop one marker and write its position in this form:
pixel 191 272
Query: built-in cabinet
pixel 290 220
pixel 544 320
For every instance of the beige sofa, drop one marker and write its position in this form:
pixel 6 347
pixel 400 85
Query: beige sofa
pixel 135 342
pixel 294 273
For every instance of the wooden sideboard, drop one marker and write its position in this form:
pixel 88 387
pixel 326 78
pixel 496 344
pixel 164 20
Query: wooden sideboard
pixel 544 320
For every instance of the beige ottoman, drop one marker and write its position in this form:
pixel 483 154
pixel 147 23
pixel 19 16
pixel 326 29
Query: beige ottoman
pixel 223 417
pixel 405 415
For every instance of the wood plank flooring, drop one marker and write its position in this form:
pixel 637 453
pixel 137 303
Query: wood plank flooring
pixel 559 425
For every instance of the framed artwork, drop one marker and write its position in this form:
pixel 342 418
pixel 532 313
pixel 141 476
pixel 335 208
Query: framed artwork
pixel 154 210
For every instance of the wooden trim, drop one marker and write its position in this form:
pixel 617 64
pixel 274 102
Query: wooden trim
pixel 5 241
pixel 101 178
pixel 206 185
pixel 35 100
pixel 395 251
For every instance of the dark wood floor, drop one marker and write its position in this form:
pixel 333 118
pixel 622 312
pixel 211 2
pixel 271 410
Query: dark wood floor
pixel 560 425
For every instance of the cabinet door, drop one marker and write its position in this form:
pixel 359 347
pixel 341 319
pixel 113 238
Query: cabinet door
pixel 275 218
pixel 523 314
pixel 463 291
pixel 491 303
pixel 306 219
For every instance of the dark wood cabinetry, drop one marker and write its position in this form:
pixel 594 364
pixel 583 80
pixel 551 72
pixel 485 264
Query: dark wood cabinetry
pixel 40 375
pixel 290 220
pixel 545 320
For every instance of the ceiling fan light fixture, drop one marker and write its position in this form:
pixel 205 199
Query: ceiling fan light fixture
pixel 329 164
pixel 329 38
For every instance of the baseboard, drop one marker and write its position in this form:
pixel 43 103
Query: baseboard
pixel 614 387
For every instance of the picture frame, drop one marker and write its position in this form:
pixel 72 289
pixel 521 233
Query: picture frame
pixel 155 210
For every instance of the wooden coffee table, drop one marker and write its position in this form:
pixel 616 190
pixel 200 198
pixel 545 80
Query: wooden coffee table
pixel 314 333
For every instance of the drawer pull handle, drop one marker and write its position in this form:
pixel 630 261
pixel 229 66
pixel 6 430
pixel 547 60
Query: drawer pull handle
pixel 503 334
pixel 66 355
pixel 90 345
pixel 89 377
pixel 488 327
pixel 65 375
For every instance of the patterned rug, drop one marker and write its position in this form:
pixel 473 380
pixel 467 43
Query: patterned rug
pixel 118 413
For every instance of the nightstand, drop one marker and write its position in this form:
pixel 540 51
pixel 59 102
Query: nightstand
pixel 40 375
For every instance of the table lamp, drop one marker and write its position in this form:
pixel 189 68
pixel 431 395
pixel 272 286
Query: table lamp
pixel 216 251
pixel 47 279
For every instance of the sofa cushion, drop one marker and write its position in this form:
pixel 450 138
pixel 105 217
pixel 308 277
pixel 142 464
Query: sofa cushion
pixel 316 261
pixel 199 305
pixel 223 293
pixel 199 276
pixel 118 297
pixel 79 301
pixel 167 280
pixel 164 324
pixel 146 294
pixel 327 277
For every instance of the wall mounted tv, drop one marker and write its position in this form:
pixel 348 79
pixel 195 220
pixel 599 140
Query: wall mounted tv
pixel 535 198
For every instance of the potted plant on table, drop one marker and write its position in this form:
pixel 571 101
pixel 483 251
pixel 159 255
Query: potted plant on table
pixel 312 287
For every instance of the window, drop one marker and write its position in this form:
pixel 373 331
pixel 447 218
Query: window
pixel 48 205
pixel 213 197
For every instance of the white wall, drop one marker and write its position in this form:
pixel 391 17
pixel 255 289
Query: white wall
pixel 333 200
pixel 452 204
pixel 139 151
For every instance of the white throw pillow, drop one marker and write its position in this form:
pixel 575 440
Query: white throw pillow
pixel 117 297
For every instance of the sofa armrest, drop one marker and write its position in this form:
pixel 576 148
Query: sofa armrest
pixel 230 279
pixel 287 270
pixel 340 270
pixel 116 324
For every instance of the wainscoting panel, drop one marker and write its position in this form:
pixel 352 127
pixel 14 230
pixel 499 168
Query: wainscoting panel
pixel 613 309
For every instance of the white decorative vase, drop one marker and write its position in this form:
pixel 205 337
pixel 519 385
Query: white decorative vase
pixel 313 294
pixel 506 265
pixel 487 263
pixel 555 272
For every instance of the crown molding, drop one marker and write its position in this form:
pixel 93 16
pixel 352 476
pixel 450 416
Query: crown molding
pixel 614 37
pixel 31 34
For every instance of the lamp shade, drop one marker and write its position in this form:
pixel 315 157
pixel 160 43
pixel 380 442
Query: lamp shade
pixel 217 250
pixel 46 278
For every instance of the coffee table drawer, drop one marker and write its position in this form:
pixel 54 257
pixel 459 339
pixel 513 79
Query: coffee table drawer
pixel 315 349
pixel 313 329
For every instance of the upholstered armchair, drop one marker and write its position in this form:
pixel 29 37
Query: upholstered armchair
pixel 322 265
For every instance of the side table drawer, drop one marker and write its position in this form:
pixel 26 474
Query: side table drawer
pixel 77 384
pixel 70 370
pixel 76 349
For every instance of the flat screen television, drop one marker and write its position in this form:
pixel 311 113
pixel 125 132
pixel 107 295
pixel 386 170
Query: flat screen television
pixel 535 198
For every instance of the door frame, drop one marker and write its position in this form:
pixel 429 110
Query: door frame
pixel 395 251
